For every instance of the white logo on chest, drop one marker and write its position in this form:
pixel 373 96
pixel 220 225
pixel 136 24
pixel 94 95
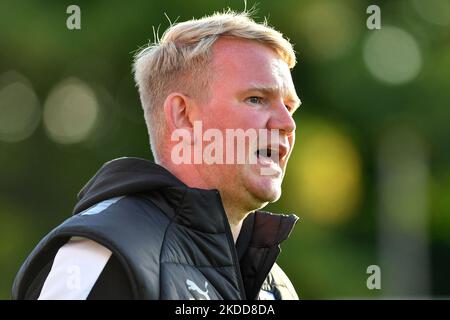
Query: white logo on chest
pixel 192 286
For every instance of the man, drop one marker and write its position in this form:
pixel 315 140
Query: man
pixel 187 229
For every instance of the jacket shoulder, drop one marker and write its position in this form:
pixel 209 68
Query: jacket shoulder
pixel 120 225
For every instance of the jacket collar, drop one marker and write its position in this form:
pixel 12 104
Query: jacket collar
pixel 203 210
pixel 258 245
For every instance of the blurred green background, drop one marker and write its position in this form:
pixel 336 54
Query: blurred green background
pixel 370 174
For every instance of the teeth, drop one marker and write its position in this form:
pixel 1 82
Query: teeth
pixel 265 153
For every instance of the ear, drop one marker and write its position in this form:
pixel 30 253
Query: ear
pixel 178 111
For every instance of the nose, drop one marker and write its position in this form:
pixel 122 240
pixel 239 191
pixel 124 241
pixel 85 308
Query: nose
pixel 281 119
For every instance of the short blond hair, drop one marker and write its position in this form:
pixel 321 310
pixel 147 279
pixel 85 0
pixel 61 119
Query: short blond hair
pixel 177 61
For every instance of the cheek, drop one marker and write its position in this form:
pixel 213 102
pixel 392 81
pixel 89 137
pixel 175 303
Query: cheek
pixel 218 114
pixel 233 114
pixel 245 117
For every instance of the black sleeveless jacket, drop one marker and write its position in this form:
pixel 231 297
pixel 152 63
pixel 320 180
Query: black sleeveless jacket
pixel 174 242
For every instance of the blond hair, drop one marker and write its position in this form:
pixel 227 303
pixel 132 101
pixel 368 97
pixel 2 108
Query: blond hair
pixel 177 61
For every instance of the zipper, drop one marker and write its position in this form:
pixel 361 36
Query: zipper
pixel 233 248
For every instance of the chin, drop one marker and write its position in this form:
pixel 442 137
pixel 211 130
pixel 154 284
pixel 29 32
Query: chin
pixel 265 191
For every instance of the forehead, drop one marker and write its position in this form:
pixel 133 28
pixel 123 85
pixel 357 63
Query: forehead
pixel 239 62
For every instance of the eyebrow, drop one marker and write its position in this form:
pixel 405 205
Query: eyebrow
pixel 273 90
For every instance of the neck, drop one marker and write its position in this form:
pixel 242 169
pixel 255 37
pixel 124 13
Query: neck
pixel 235 229
pixel 235 216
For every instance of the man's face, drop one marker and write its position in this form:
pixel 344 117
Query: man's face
pixel 252 88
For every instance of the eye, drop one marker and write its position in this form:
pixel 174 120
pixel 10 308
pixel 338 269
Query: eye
pixel 289 108
pixel 255 100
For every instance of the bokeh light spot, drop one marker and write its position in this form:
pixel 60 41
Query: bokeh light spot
pixel 329 27
pixel 327 173
pixel 392 55
pixel 70 112
pixel 19 111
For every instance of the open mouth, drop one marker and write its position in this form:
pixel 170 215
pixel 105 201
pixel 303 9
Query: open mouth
pixel 268 155
pixel 264 153
pixel 274 153
pixel 269 161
